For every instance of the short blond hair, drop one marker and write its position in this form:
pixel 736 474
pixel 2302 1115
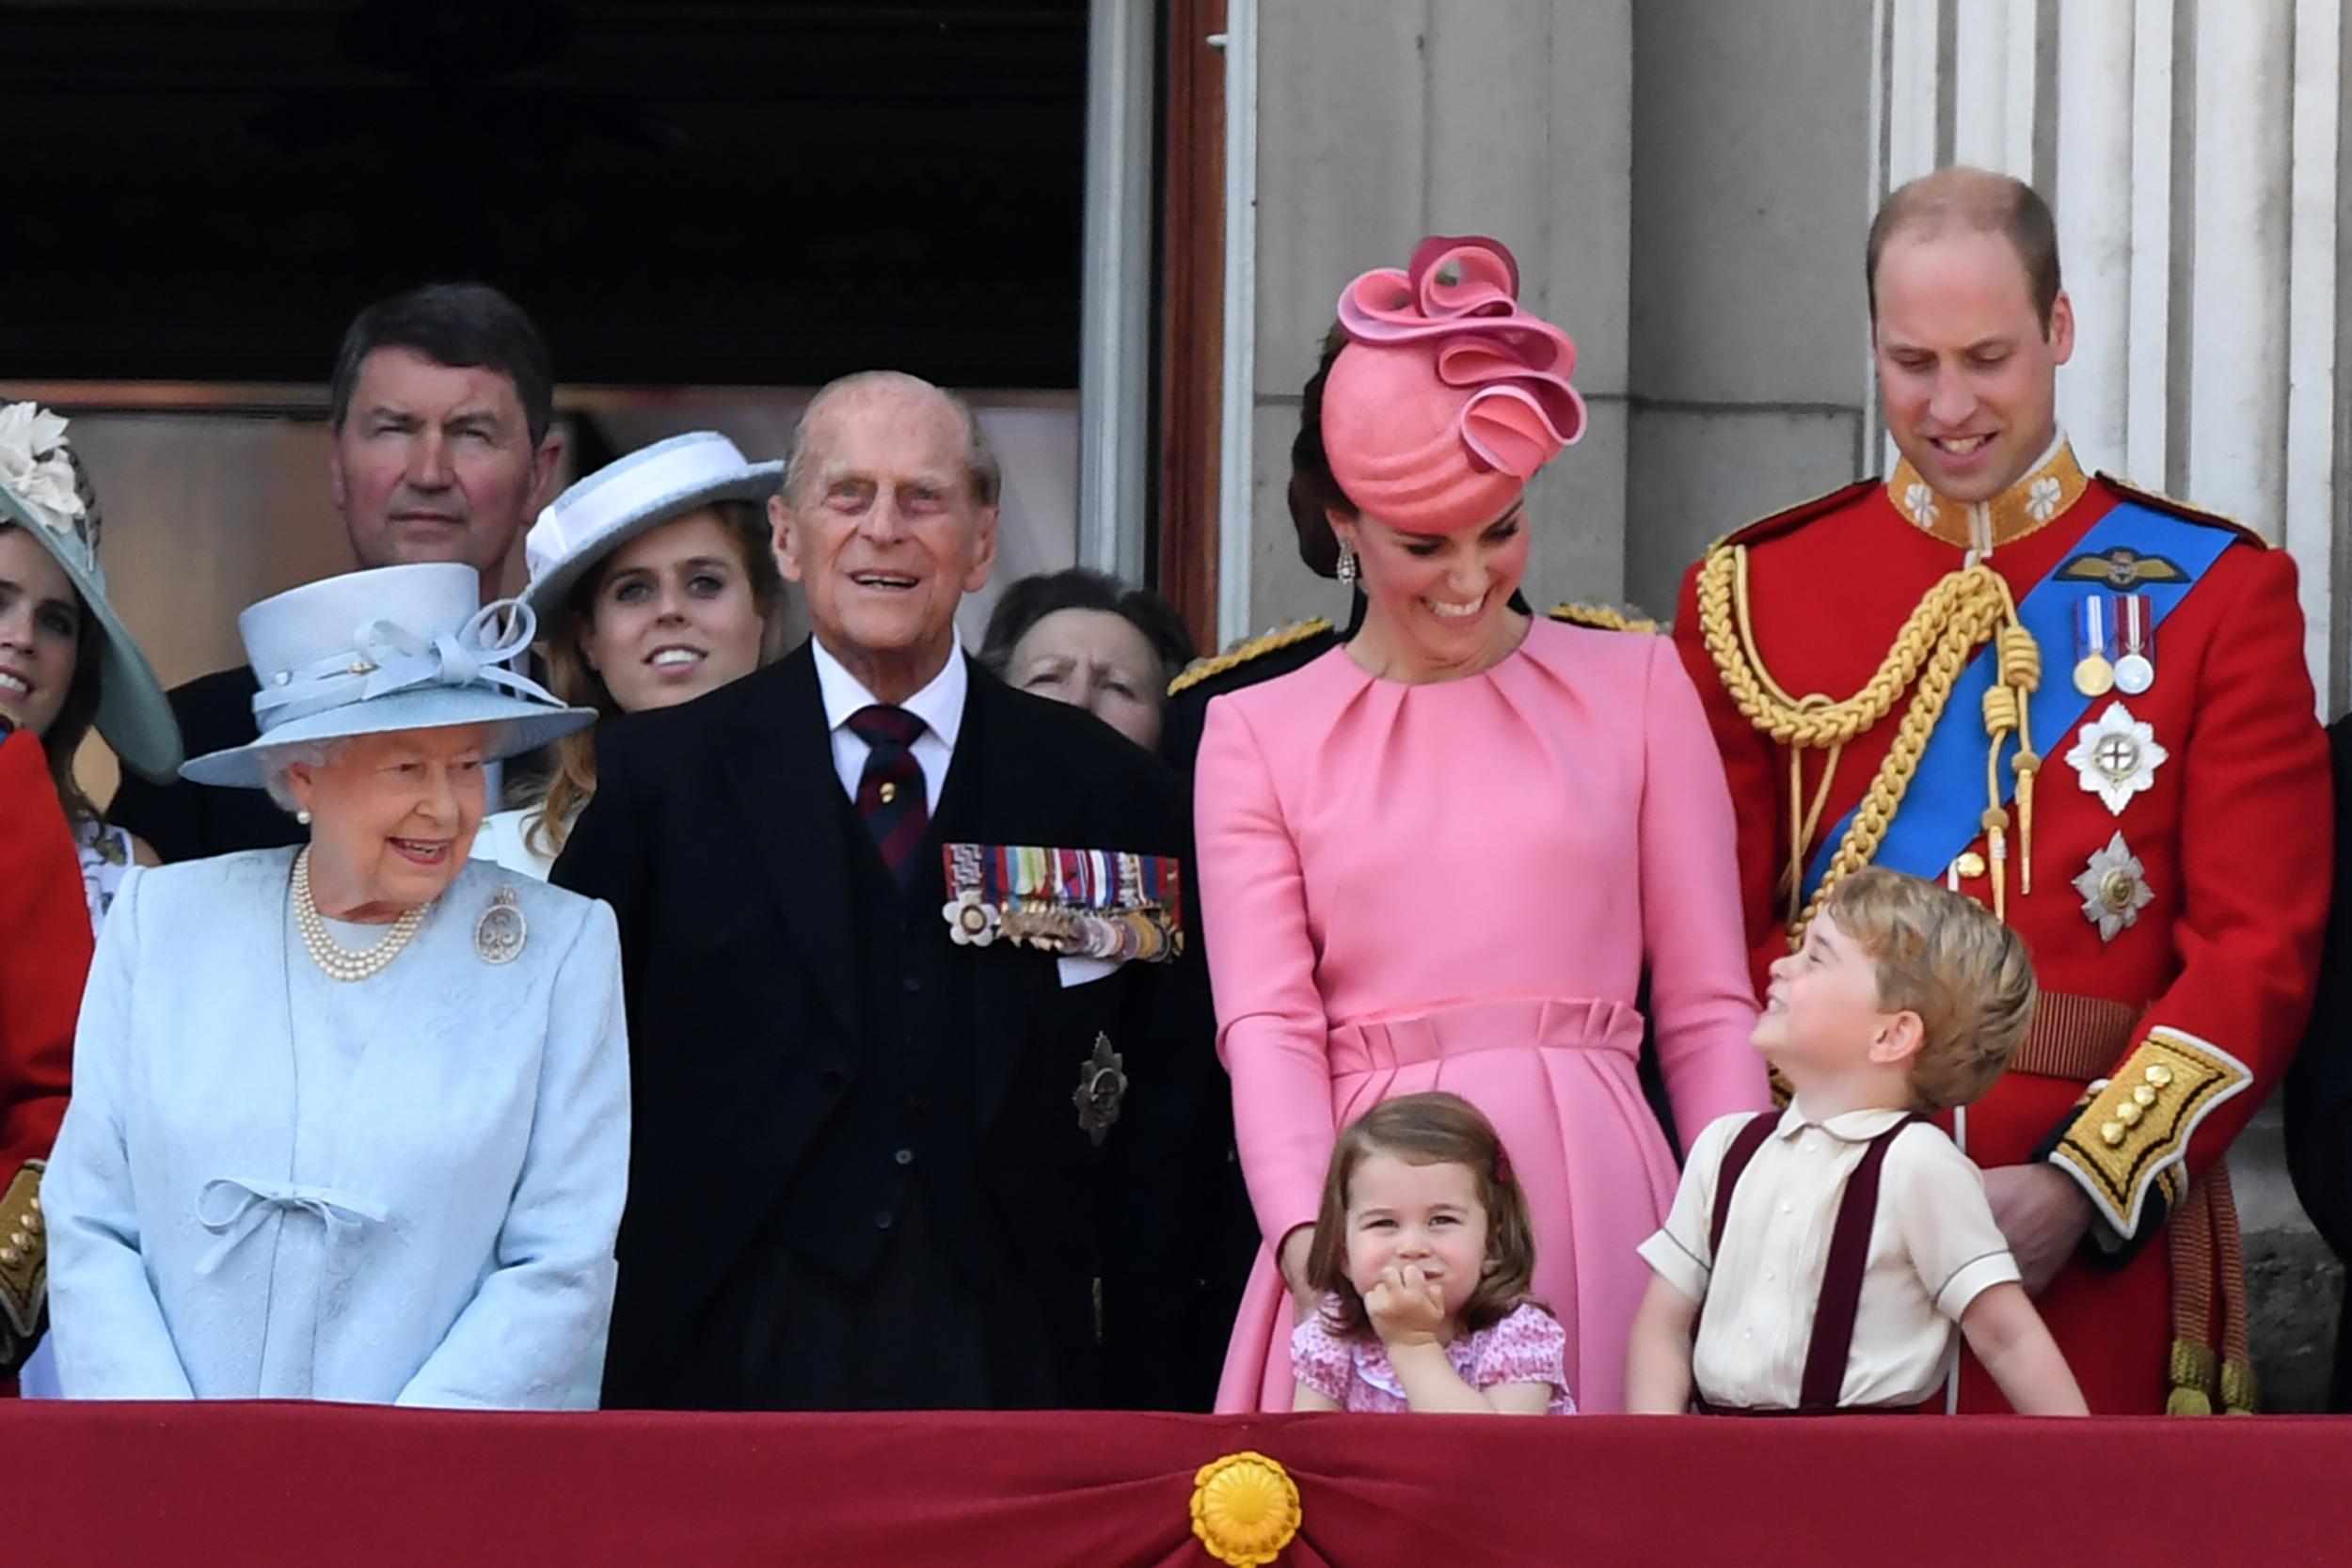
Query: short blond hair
pixel 1945 959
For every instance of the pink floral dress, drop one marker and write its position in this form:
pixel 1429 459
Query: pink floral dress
pixel 1527 1346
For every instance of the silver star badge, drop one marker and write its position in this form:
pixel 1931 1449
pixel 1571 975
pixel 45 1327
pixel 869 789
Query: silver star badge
pixel 2114 887
pixel 1102 1089
pixel 2116 756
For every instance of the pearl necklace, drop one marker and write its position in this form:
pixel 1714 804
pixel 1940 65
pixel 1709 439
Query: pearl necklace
pixel 341 962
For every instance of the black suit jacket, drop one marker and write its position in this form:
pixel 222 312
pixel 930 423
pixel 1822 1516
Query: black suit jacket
pixel 187 821
pixel 2318 1095
pixel 717 835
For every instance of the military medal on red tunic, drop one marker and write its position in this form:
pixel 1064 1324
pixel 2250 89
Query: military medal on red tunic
pixel 2093 675
pixel 2114 887
pixel 2136 671
pixel 2116 756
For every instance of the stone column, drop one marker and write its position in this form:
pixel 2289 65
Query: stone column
pixel 1750 332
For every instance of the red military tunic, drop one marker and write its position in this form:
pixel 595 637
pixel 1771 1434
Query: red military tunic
pixel 45 958
pixel 2232 835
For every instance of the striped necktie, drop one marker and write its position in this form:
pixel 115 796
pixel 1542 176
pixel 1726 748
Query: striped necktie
pixel 890 790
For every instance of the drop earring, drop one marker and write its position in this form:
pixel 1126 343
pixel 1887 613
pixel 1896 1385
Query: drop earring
pixel 1347 567
pixel 302 817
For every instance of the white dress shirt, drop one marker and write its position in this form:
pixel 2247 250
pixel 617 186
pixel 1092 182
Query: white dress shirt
pixel 1935 1248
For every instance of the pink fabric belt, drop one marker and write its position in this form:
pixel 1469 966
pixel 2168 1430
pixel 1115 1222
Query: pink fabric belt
pixel 1512 1024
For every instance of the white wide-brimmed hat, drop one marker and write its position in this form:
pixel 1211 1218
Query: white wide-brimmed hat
pixel 599 514
pixel 395 648
pixel 39 494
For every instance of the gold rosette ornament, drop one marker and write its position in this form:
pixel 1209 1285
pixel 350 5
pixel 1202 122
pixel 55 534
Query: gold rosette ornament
pixel 1244 1509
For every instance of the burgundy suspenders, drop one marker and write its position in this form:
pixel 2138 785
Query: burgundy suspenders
pixel 1745 1144
pixel 1841 1276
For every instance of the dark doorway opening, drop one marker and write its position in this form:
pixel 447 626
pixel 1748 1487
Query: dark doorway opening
pixel 682 192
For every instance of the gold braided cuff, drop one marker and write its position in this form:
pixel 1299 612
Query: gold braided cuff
pixel 2132 1134
pixel 24 1251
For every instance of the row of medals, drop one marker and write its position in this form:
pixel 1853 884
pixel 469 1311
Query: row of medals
pixel 2114 651
pixel 2113 886
pixel 2111 622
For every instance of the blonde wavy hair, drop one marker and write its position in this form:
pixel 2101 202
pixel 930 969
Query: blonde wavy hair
pixel 1945 959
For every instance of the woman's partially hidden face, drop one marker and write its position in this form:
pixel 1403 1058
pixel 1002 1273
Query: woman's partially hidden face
pixel 392 817
pixel 1099 660
pixel 673 616
pixel 40 627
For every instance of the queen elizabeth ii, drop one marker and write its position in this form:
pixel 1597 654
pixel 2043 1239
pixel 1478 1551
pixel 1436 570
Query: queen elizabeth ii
pixel 351 1121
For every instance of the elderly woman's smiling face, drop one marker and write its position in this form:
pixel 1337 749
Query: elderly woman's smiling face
pixel 392 817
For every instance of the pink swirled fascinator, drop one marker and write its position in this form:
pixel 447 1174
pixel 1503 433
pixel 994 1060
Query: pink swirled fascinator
pixel 1448 397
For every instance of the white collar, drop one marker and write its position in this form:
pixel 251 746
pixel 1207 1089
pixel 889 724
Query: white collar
pixel 1853 1127
pixel 939 704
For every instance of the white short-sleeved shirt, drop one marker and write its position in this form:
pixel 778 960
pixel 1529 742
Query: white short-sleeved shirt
pixel 1935 1248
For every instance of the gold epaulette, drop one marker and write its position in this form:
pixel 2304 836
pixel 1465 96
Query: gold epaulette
pixel 2130 1140
pixel 1241 653
pixel 1601 617
pixel 23 1254
pixel 2157 500
pixel 1789 518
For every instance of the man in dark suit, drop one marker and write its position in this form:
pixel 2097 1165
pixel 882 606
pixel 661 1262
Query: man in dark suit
pixel 864 1174
pixel 443 404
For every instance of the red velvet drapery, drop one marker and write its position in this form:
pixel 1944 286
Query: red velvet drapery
pixel 256 1485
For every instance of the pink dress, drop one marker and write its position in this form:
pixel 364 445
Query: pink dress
pixel 1527 1346
pixel 1458 886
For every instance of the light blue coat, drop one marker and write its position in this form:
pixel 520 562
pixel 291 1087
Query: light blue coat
pixel 405 1188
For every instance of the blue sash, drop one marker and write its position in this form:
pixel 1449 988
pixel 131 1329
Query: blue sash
pixel 1942 811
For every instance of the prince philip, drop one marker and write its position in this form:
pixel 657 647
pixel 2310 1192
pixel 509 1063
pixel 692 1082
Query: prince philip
pixel 904 1107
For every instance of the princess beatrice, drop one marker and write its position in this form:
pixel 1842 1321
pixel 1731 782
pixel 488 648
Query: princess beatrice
pixel 351 1121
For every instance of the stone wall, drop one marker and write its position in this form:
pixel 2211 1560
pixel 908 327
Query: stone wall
pixel 1749 337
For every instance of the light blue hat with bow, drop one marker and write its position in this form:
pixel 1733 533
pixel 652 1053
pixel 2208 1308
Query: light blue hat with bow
pixel 395 648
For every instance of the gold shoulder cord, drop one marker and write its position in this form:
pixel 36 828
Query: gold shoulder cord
pixel 1241 653
pixel 1958 613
